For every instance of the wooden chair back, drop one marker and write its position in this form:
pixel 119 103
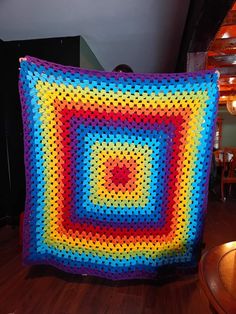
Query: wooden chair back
pixel 228 175
pixel 229 162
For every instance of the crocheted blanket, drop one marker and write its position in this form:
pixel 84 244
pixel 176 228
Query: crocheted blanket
pixel 117 168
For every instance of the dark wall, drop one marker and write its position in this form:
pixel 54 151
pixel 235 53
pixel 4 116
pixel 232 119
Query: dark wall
pixel 60 50
pixel 4 178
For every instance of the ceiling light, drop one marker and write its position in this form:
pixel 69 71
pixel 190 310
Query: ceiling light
pixel 231 106
pixel 225 35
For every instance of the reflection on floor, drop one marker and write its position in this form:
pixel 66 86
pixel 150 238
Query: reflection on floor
pixel 46 290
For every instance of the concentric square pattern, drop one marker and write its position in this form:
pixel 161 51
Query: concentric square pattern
pixel 116 167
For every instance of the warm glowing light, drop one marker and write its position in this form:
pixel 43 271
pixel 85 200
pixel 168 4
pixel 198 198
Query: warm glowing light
pixel 231 80
pixel 225 35
pixel 230 245
pixel 231 106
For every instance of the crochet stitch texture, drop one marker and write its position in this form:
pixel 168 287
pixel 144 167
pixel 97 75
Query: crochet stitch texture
pixel 117 167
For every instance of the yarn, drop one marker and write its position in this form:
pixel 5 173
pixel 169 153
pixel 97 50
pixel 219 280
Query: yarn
pixel 117 167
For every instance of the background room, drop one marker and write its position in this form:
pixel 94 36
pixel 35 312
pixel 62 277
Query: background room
pixel 148 37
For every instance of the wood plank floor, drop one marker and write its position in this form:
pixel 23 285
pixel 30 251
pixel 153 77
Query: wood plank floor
pixel 46 290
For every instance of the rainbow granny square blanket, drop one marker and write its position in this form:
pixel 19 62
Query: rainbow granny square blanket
pixel 117 168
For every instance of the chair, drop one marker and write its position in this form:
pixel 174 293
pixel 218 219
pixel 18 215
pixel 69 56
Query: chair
pixel 218 157
pixel 228 174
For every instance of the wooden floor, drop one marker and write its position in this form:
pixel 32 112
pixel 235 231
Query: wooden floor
pixel 46 290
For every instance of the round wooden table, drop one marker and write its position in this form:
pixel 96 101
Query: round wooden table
pixel 217 272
